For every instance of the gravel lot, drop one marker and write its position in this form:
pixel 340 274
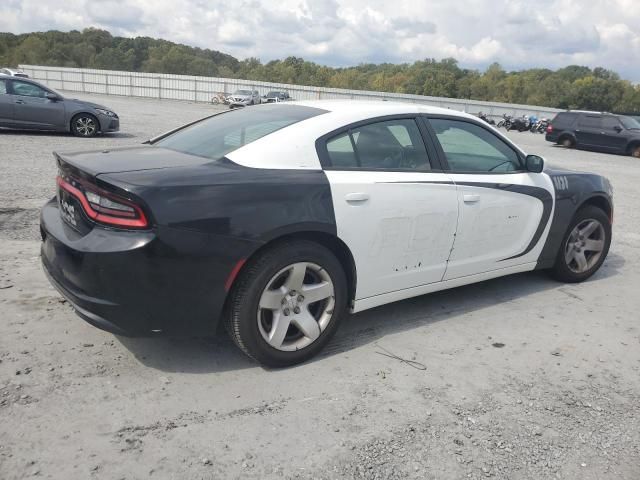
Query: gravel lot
pixel 526 378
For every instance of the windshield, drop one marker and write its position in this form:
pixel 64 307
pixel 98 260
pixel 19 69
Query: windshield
pixel 216 136
pixel 274 94
pixel 242 92
pixel 630 123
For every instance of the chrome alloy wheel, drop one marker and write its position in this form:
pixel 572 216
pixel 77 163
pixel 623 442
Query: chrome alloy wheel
pixel 584 246
pixel 296 306
pixel 86 126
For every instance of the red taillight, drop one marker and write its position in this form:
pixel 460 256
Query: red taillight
pixel 105 207
pixel 549 128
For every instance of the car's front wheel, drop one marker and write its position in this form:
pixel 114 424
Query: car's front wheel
pixel 84 125
pixel 584 246
pixel 287 303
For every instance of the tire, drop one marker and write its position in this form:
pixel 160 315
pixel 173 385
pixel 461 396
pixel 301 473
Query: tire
pixel 215 101
pixel 500 124
pixel 634 151
pixel 567 142
pixel 269 281
pixel 85 125
pixel 566 268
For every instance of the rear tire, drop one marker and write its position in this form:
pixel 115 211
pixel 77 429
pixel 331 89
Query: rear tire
pixel 85 125
pixel 567 142
pixel 635 151
pixel 268 316
pixel 584 247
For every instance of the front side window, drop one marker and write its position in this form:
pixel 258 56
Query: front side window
pixel 610 123
pixel 630 123
pixel 216 136
pixel 471 148
pixel 28 89
pixel 3 87
pixel 388 145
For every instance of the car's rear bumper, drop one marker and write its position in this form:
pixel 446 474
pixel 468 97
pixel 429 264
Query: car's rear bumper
pixel 137 283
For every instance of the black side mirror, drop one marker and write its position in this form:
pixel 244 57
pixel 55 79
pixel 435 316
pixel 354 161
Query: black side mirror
pixel 617 128
pixel 535 164
pixel 51 96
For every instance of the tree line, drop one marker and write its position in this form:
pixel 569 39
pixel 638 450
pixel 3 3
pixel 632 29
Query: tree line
pixel 574 86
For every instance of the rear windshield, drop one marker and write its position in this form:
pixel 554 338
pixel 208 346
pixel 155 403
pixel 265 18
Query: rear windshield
pixel 216 136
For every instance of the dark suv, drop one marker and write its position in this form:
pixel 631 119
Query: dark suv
pixel 596 131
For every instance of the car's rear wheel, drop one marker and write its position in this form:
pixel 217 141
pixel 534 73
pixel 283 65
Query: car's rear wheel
pixel 567 142
pixel 584 246
pixel 287 303
pixel 635 151
pixel 84 125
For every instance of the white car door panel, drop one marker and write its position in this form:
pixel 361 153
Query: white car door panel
pixel 399 226
pixel 506 224
pixel 505 210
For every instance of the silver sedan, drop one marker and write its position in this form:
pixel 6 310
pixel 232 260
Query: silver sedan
pixel 28 105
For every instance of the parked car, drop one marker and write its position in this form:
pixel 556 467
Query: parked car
pixel 596 131
pixel 244 98
pixel 278 219
pixel 276 96
pixel 28 105
pixel 12 72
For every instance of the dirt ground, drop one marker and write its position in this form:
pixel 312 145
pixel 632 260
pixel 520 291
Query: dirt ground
pixel 525 378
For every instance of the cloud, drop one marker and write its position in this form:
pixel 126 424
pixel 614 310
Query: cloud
pixel 546 33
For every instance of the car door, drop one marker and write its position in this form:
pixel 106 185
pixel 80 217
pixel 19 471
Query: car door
pixel 32 109
pixel 505 211
pixel 612 135
pixel 394 207
pixel 6 104
pixel 588 130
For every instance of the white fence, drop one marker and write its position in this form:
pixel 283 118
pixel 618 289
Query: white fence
pixel 202 89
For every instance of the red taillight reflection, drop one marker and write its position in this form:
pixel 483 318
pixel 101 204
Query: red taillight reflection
pixel 128 215
pixel 550 128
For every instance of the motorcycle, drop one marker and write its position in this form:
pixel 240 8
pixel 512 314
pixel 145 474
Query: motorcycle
pixel 485 118
pixel 505 122
pixel 542 125
pixel 220 98
pixel 521 124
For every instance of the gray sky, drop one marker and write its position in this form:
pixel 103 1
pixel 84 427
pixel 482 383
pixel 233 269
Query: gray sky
pixel 518 34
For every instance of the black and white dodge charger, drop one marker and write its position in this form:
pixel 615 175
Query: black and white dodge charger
pixel 280 218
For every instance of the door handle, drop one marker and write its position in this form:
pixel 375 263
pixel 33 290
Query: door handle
pixel 356 197
pixel 471 198
pixel 20 101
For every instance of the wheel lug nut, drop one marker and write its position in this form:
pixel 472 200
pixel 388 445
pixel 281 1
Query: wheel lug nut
pixel 300 298
pixel 296 310
pixel 292 293
pixel 286 312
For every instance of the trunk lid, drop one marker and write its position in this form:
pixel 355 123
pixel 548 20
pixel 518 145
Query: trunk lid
pixel 126 159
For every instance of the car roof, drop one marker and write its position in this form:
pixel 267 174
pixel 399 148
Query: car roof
pixel 377 108
pixel 294 146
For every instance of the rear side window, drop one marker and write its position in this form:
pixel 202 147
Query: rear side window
pixel 563 120
pixel 3 87
pixel 590 121
pixel 388 145
pixel 221 134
